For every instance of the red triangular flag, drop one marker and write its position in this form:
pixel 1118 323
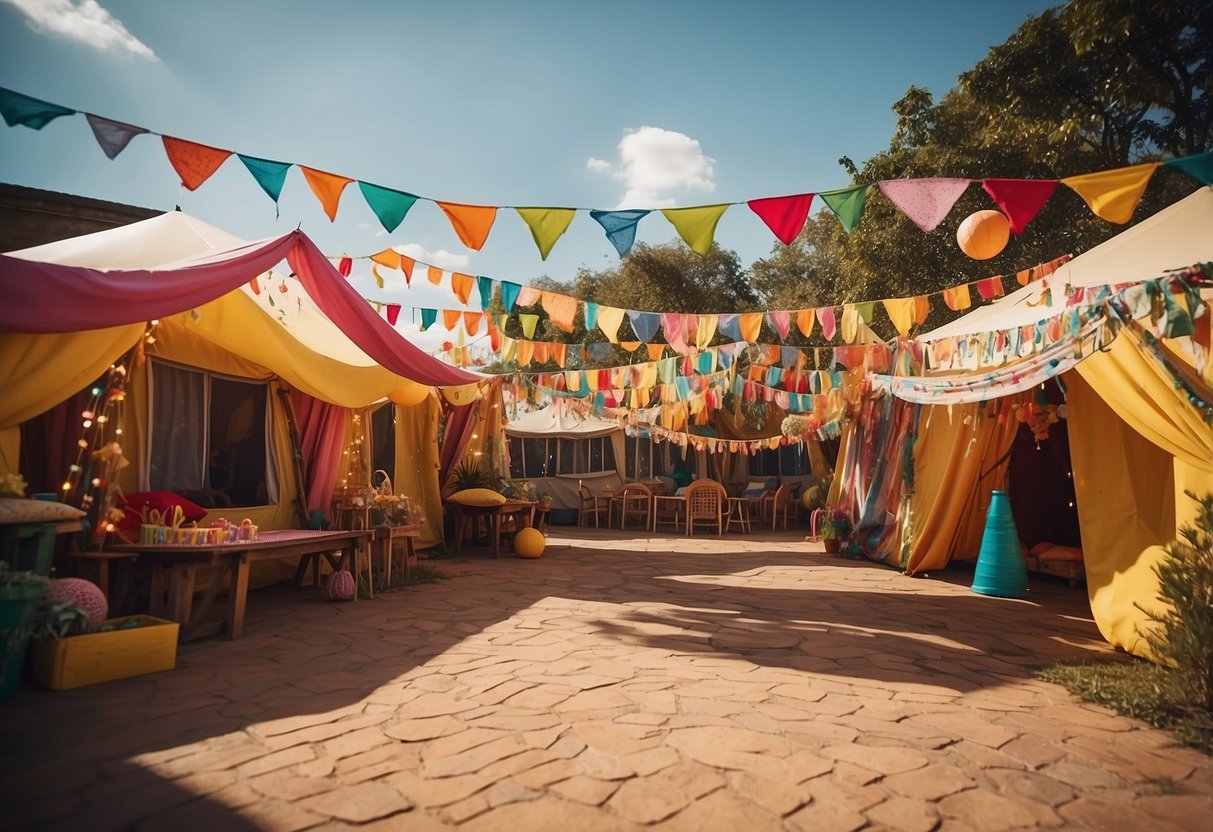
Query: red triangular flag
pixel 784 215
pixel 345 265
pixel 393 313
pixel 193 162
pixel 1020 199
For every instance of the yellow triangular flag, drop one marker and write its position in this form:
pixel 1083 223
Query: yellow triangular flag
pixel 1113 194
pixel 901 313
pixel 705 329
pixel 750 324
pixel 697 226
pixel 609 319
pixel 546 224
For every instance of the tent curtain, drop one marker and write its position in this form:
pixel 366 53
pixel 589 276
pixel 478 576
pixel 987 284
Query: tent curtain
pixel 874 473
pixel 416 469
pixel 48 444
pixel 460 424
pixel 953 479
pixel 116 297
pixel 322 429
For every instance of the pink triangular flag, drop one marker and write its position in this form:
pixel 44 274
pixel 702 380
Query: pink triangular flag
pixel 825 316
pixel 925 201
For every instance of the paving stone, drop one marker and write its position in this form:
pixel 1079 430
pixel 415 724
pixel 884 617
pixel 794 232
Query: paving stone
pixel 1082 775
pixel 721 810
pixel 777 797
pixel 360 803
pixel 417 730
pixel 905 815
pixel 547 815
pixel 930 783
pixel 967 726
pixel 1034 751
pixel 986 811
pixel 587 790
pixel 548 773
pixel 1182 810
pixel 646 800
pixel 276 760
pixel 882 759
pixel 441 791
pixel 1032 786
pixel 1093 813
pixel 285 785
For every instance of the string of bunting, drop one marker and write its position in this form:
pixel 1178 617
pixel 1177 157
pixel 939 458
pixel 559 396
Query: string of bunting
pixel 1111 195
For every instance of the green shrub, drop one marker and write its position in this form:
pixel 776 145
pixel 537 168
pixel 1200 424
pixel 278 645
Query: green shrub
pixel 1183 638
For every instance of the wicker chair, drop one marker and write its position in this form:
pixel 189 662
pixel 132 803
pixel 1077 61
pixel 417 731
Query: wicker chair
pixel 706 501
pixel 635 503
pixel 591 506
pixel 777 504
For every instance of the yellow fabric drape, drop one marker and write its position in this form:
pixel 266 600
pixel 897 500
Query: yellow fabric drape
pixel 951 496
pixel 416 469
pixel 1137 445
pixel 39 371
pixel 10 450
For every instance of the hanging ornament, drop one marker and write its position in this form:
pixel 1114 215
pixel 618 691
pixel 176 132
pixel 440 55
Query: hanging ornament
pixel 983 234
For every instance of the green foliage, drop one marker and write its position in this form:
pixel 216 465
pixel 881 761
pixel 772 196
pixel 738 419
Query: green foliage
pixel 1138 689
pixel 18 580
pixel 1184 636
pixel 468 474
pixel 59 618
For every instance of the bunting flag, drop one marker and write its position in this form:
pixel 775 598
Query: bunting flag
pixel 901 314
pixel 484 285
pixel 705 330
pixel 781 322
pixel 461 285
pixel 925 201
pixel 958 298
pixel 655 351
pixel 194 163
pixel 849 325
pixel 1113 194
pixel 388 258
pixel 847 205
pixel 1020 199
pixel 825 317
pixel 471 321
pixel 922 309
pixel 526 352
pixel 609 320
pixel 375 274
pixel 393 313
pixel 528 321
pixel 561 309
pixel 450 318
pixel 696 226
pixel 620 227
pixel 729 324
pixel 434 275
pixel 406 266
pixel 804 322
pixel 32 112
pixel 270 175
pixel 471 222
pixel 389 206
pixel 644 324
pixel 112 136
pixel 1198 167
pixel 990 288
pixel 547 225
pixel 750 324
pixel 591 316
pixel 345 266
pixel 327 187
pixel 509 294
pixel 529 296
pixel 428 316
pixel 784 215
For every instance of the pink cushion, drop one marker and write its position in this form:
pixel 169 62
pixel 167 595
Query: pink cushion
pixel 1062 553
pixel 163 501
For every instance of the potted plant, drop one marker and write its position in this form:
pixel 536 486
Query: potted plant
pixel 836 530
pixel 20 592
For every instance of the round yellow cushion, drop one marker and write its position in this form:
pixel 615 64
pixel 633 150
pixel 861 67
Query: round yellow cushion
pixel 477 497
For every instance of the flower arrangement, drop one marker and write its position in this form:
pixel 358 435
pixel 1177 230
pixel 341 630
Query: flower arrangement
pixel 396 508
pixel 12 485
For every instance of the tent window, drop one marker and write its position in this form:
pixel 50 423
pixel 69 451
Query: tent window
pixel 638 458
pixel 568 455
pixel 788 461
pixel 532 458
pixel 517 471
pixel 602 455
pixel 209 438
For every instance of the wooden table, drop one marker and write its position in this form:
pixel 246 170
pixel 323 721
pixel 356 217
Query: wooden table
pixel 675 504
pixel 739 513
pixel 522 510
pixel 386 538
pixel 175 566
pixel 31 546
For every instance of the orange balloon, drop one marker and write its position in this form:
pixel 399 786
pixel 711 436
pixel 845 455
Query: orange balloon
pixel 983 234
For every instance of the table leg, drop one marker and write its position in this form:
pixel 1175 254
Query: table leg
pixel 156 605
pixel 237 597
pixel 495 531
pixel 181 593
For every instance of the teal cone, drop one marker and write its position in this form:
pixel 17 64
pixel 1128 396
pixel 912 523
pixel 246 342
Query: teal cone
pixel 1000 567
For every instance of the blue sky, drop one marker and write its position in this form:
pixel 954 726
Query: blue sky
pixel 587 105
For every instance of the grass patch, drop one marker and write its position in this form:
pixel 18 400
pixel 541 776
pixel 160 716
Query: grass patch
pixel 1139 689
pixel 419 574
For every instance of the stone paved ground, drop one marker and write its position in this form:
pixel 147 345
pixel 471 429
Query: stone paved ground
pixel 616 683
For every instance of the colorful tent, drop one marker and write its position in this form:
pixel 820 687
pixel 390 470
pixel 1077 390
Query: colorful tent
pixel 919 476
pixel 76 306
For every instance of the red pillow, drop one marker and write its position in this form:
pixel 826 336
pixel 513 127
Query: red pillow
pixel 163 501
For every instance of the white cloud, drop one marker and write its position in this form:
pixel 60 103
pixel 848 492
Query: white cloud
pixel 85 22
pixel 441 257
pixel 653 162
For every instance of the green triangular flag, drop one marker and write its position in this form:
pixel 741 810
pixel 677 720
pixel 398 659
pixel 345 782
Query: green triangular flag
pixel 696 226
pixel 529 322
pixel 1199 167
pixel 389 206
pixel 546 224
pixel 269 174
pixel 847 204
pixel 428 317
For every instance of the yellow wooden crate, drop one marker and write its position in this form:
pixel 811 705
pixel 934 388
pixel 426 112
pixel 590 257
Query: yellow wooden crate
pixel 76 661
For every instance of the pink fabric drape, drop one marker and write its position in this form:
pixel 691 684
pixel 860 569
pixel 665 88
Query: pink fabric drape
pixel 460 424
pixel 321 440
pixel 47 297
pixel 48 444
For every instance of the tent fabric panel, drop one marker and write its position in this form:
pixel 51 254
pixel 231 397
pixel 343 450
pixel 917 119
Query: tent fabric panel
pixel 39 371
pixel 1125 488
pixel 951 497
pixel 416 471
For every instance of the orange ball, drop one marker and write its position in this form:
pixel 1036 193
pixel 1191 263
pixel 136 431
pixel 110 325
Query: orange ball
pixel 529 543
pixel 983 234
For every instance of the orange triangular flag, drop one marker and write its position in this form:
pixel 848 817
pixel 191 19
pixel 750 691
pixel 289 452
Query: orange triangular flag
pixel 434 275
pixel 655 351
pixel 406 266
pixel 388 257
pixel 327 187
pixel 471 222
pixel 450 318
pixel 1113 194
pixel 804 322
pixel 193 162
pixel 461 285
pixel 471 322
pixel 630 346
